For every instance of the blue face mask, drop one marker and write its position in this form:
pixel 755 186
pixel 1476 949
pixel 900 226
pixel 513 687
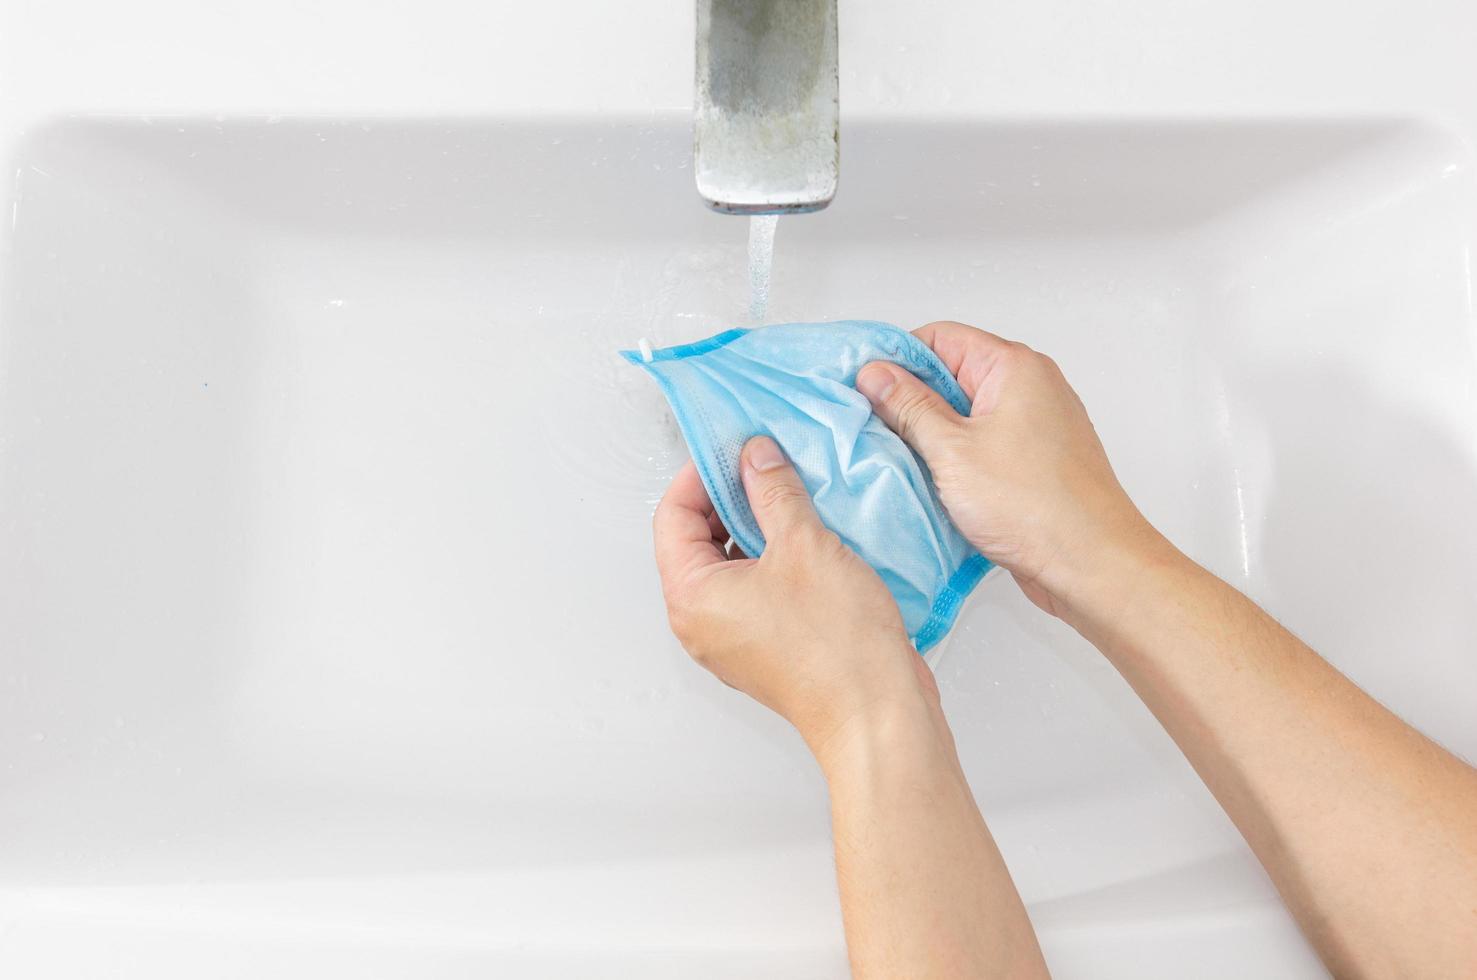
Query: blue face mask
pixel 795 383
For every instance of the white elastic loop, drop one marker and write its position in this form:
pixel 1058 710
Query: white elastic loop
pixel 645 346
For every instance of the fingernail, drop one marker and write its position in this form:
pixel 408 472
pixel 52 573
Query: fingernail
pixel 765 454
pixel 875 381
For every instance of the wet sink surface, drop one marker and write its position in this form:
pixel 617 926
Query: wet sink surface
pixel 325 583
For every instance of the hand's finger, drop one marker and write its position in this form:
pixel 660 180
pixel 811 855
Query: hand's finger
pixel 684 537
pixel 777 496
pixel 723 539
pixel 909 407
pixel 715 525
pixel 968 352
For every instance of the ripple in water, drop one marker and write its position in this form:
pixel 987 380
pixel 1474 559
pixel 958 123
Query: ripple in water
pixel 614 435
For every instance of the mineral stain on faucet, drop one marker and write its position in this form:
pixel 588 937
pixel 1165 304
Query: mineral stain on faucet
pixel 766 122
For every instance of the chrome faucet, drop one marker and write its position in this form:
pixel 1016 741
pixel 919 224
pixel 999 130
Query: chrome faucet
pixel 767 124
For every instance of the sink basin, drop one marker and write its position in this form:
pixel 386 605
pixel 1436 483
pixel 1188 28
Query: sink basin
pixel 330 640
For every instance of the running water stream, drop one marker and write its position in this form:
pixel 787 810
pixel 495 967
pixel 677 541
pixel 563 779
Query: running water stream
pixel 761 261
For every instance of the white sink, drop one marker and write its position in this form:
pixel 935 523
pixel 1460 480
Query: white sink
pixel 330 641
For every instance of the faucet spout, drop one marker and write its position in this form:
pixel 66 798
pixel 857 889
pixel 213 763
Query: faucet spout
pixel 767 123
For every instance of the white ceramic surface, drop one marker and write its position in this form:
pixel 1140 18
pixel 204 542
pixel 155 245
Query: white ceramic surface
pixel 329 638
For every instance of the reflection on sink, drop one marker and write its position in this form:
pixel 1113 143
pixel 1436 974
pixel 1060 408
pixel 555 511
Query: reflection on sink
pixel 324 576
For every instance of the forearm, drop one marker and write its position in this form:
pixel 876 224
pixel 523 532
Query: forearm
pixel 1368 829
pixel 924 891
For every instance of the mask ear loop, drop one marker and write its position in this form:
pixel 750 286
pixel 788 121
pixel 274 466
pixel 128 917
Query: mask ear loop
pixel 645 346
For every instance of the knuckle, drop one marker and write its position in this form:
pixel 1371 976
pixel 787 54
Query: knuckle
pixel 1031 361
pixel 828 543
pixel 780 493
pixel 1017 352
pixel 1027 354
pixel 910 408
pixel 1046 367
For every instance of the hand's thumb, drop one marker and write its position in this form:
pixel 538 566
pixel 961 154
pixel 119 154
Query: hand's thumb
pixel 908 406
pixel 776 495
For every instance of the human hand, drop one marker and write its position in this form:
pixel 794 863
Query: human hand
pixel 1024 476
pixel 808 629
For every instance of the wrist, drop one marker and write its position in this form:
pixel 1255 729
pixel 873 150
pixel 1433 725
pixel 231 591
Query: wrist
pixel 901 732
pixel 1101 576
